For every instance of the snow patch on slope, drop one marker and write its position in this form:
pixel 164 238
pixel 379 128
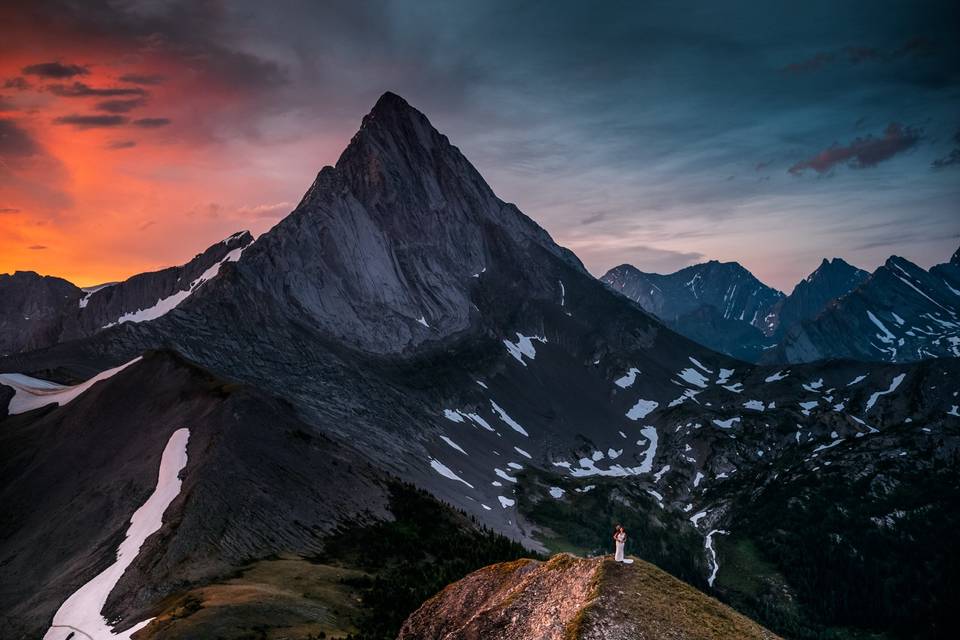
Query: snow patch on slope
pixel 168 304
pixel 81 611
pixel 33 393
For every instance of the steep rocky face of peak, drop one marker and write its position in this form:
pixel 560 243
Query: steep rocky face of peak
pixel 719 304
pixel 385 248
pixel 901 313
pixel 570 598
pixel 32 310
pixel 831 280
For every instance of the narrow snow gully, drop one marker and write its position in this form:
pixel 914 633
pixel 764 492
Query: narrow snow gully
pixel 80 615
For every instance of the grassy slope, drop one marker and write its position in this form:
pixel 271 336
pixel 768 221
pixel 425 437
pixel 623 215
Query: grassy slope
pixel 661 606
pixel 286 597
pixel 368 580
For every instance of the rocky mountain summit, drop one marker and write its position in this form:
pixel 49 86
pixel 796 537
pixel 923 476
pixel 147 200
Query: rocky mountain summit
pixel 831 280
pixel 32 308
pixel 571 598
pixel 721 305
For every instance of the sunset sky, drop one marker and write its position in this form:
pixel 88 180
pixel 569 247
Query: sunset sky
pixel 135 134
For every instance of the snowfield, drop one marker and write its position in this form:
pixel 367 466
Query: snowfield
pixel 627 379
pixel 33 393
pixel 164 306
pixel 641 409
pixel 523 347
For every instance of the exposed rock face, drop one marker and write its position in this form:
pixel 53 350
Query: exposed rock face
pixel 901 313
pixel 570 598
pixel 720 305
pixel 384 248
pixel 33 309
pixel 827 316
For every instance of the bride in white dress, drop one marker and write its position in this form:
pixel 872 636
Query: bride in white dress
pixel 619 538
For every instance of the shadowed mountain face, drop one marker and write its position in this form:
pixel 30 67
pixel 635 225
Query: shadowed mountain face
pixel 417 326
pixel 383 250
pixel 832 279
pixel 32 308
pixel 720 305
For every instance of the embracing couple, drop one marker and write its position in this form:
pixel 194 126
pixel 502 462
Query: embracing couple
pixel 620 539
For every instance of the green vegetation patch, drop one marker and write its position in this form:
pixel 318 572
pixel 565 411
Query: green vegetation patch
pixel 427 546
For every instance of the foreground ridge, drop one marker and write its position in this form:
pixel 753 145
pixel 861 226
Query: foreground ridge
pixel 573 598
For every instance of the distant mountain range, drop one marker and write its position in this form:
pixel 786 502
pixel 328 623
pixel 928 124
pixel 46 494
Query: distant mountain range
pixel 316 431
pixel 900 313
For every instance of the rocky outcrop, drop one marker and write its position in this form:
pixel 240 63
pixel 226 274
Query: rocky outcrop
pixel 571 598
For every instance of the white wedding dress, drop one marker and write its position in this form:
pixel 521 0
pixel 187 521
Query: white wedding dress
pixel 620 540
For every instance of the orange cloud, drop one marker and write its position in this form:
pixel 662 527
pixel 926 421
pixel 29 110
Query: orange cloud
pixel 135 143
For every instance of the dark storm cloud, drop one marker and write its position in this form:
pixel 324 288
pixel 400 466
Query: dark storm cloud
pixel 91 121
pixel 120 106
pixel 137 78
pixel 83 90
pixel 15 142
pixel 37 247
pixel 55 70
pixel 152 123
pixel 916 46
pixel 863 152
pixel 20 83
pixel 121 144
pixel 4 210
pixel 196 33
pixel 952 158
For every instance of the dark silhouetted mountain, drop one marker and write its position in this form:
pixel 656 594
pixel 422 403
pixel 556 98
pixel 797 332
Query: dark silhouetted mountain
pixel 901 313
pixel 38 312
pixel 32 310
pixel 404 323
pixel 832 279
